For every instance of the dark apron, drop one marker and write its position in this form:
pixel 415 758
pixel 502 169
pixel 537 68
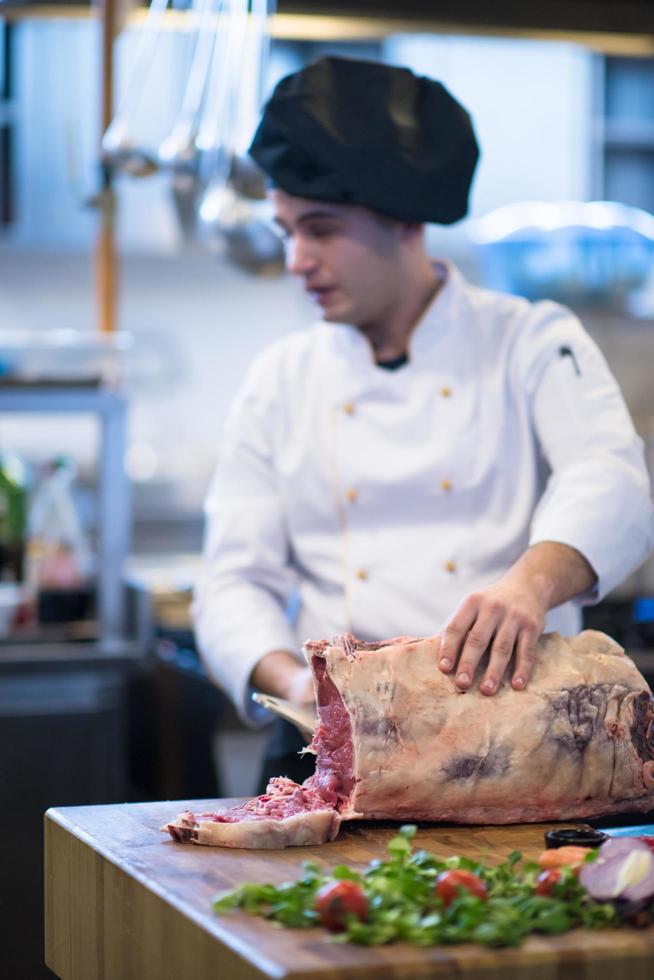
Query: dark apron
pixel 281 755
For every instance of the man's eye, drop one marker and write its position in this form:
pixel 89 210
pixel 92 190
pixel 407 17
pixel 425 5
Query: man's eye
pixel 321 231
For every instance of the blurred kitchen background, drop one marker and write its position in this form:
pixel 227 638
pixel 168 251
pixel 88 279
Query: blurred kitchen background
pixel 132 301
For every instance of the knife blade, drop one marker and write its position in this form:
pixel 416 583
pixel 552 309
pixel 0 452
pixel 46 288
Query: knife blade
pixel 303 717
pixel 643 830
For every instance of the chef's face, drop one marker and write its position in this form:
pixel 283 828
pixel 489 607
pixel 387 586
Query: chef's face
pixel 348 257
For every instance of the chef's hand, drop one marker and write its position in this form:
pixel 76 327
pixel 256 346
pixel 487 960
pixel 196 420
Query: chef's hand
pixel 300 688
pixel 508 618
pixel 280 673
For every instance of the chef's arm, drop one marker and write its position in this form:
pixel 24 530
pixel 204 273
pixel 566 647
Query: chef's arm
pixel 555 572
pixel 280 674
pixel 594 523
pixel 243 592
pixel 509 616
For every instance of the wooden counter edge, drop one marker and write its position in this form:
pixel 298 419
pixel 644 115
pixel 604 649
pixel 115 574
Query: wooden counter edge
pixel 92 906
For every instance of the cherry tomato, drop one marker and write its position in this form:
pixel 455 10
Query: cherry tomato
pixel 647 840
pixel 338 899
pixel 450 884
pixel 547 880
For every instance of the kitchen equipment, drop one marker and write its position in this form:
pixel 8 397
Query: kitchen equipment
pixel 205 149
pixel 29 356
pixel 233 212
pixel 575 836
pixel 584 254
pixel 178 151
pixel 242 225
pixel 109 867
pixel 120 142
pixel 304 718
pixel 108 406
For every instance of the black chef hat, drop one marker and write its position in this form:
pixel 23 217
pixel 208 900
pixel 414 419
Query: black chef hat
pixel 360 132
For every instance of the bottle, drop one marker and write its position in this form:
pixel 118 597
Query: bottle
pixel 13 517
pixel 59 560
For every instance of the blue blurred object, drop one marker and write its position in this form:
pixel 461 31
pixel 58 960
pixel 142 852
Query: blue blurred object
pixel 643 610
pixel 583 254
pixel 643 830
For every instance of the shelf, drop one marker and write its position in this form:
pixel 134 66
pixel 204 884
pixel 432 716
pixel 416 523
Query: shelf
pixel 29 657
pixel 349 26
pixel 110 408
pixel 55 397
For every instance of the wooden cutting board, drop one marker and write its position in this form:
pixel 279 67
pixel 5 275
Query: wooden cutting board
pixel 125 902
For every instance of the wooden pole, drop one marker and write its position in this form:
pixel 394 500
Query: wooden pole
pixel 105 256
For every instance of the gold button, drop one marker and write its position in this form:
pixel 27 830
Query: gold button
pixel 362 574
pixel 450 566
pixel 446 392
pixel 446 485
pixel 352 495
pixel 348 408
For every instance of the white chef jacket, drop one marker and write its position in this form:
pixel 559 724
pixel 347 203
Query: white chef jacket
pixel 382 498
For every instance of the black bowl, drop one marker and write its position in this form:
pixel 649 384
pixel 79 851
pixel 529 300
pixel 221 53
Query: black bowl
pixel 575 836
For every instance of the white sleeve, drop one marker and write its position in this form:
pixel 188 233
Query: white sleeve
pixel 239 609
pixel 598 497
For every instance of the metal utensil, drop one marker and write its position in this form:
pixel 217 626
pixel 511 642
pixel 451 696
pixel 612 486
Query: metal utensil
pixel 304 718
pixel 178 151
pixel 233 214
pixel 120 145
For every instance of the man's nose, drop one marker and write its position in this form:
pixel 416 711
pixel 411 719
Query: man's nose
pixel 300 257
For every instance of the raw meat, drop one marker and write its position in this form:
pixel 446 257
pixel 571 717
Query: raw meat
pixel 285 815
pixel 396 740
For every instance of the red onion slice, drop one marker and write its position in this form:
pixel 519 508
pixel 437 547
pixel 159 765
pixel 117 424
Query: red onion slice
pixel 624 868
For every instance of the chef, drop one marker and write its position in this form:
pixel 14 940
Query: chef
pixel 427 457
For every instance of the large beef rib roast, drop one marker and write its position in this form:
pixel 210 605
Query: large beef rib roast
pixel 396 740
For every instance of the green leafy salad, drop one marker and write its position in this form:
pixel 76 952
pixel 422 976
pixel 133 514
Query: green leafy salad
pixel 416 897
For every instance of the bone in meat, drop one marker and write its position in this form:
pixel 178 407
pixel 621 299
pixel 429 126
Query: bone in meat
pixel 396 740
